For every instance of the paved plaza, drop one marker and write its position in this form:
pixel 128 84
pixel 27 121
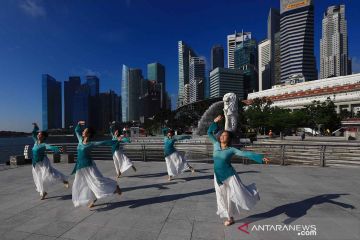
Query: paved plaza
pixel 293 198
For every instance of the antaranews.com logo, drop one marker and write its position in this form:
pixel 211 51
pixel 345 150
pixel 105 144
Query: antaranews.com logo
pixel 299 229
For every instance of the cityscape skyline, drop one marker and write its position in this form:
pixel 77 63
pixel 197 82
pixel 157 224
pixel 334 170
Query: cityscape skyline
pixel 111 76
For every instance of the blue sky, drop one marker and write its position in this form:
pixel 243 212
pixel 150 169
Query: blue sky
pixel 79 37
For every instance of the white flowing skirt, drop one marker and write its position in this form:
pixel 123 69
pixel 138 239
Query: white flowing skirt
pixel 44 175
pixel 90 184
pixel 121 162
pixel 233 195
pixel 176 164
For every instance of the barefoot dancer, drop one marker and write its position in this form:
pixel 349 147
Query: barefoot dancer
pixel 121 161
pixel 175 162
pixel 231 194
pixel 89 184
pixel 43 173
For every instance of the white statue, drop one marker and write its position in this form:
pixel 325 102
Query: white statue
pixel 230 111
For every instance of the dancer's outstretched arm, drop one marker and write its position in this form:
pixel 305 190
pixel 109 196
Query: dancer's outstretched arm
pixel 35 132
pixel 211 132
pixel 125 140
pixel 112 131
pixel 53 148
pixel 179 138
pixel 78 132
pixel 105 143
pixel 259 158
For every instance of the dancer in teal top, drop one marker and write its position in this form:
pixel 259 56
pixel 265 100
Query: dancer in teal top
pixel 121 161
pixel 89 184
pixel 231 194
pixel 176 163
pixel 43 173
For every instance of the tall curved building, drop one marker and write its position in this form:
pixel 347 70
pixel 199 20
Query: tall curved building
pixel 297 39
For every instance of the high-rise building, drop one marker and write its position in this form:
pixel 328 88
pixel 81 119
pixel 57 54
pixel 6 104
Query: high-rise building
pixel 81 108
pixel 109 109
pixel 234 40
pixel 217 57
pixel 135 89
pixel 264 64
pixel 51 103
pixel 334 55
pixel 297 39
pixel 70 88
pixel 150 103
pixel 93 83
pixel 277 61
pixel 197 78
pixel 156 72
pixel 224 80
pixel 185 53
pixel 125 94
pixel 246 59
pixel 273 29
pixel 186 94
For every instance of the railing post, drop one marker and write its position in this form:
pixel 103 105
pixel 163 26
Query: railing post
pixel 322 156
pixel 282 154
pixel 144 152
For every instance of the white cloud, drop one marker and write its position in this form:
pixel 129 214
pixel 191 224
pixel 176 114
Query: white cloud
pixel 90 72
pixel 355 65
pixel 33 8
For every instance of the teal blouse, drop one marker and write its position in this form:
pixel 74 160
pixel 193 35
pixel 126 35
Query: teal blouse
pixel 169 144
pixel 39 149
pixel 222 157
pixel 117 145
pixel 84 150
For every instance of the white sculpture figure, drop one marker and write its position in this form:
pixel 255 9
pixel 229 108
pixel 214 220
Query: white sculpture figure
pixel 230 111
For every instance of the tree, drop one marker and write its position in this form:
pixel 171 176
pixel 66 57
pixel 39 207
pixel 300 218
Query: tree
pixel 281 120
pixel 258 113
pixel 323 114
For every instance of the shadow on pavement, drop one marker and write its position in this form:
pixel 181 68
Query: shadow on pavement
pixel 297 209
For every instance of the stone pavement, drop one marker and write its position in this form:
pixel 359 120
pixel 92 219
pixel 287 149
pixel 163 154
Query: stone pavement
pixel 153 208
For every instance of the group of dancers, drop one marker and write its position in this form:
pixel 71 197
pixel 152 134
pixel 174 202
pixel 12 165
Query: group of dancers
pixel 90 185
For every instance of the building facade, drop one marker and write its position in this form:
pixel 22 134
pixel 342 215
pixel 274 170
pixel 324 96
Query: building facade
pixel 217 57
pixel 234 40
pixel 51 103
pixel 225 80
pixel 297 39
pixel 344 91
pixel 70 88
pixel 264 63
pixel 197 78
pixel 246 59
pixel 184 55
pixel 334 54
pixel 156 72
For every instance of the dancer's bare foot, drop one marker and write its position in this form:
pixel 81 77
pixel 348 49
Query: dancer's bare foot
pixel 134 168
pixel 118 190
pixel 66 184
pixel 170 178
pixel 229 222
pixel 119 174
pixel 43 196
pixel 192 170
pixel 92 204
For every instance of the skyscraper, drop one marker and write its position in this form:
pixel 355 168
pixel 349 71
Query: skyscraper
pixel 125 94
pixel 81 104
pixel 156 72
pixel 197 79
pixel 233 41
pixel 217 57
pixel 135 90
pixel 51 103
pixel 297 39
pixel 224 80
pixel 109 107
pixel 246 59
pixel 93 83
pixel 334 55
pixel 70 88
pixel 264 64
pixel 185 52
pixel 272 32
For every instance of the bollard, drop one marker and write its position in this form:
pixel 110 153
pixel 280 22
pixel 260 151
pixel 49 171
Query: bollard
pixel 67 158
pixel 54 157
pixel 17 160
